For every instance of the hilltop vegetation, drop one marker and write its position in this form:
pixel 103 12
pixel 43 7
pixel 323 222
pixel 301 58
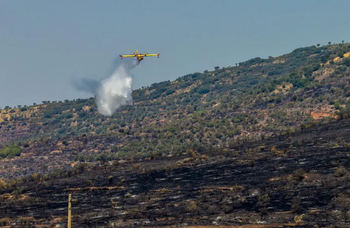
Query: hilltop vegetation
pixel 206 111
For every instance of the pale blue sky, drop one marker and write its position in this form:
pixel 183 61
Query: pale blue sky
pixel 44 45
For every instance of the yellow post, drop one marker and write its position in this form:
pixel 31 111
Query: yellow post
pixel 69 212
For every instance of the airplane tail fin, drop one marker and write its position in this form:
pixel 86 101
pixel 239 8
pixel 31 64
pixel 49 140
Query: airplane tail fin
pixel 158 55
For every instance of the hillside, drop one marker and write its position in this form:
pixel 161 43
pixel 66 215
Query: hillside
pixel 209 111
pixel 261 144
pixel 299 179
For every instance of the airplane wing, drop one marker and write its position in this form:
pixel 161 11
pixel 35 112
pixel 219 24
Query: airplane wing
pixel 122 56
pixel 152 55
pixel 127 55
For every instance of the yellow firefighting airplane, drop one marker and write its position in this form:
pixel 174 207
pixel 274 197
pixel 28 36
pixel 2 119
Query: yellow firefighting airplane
pixel 139 56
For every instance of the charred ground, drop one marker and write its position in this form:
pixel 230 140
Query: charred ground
pixel 295 179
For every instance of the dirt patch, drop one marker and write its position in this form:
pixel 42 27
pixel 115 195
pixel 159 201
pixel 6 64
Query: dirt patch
pixel 337 59
pixel 279 61
pixel 347 55
pixel 324 73
pixel 319 115
pixel 280 88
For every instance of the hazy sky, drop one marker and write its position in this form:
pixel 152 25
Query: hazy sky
pixel 44 45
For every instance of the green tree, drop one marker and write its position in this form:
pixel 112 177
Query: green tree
pixel 337 105
pixel 346 62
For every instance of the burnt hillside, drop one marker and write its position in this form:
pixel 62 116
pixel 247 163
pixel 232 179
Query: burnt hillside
pixel 296 179
pixel 213 110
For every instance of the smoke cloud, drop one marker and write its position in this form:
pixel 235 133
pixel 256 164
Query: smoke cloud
pixel 112 92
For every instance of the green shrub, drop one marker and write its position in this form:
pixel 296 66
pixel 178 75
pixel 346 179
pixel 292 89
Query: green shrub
pixel 10 151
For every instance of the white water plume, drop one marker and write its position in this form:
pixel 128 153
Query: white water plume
pixel 112 92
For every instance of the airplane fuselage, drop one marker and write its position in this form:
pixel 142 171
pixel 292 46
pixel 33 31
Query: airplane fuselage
pixel 139 56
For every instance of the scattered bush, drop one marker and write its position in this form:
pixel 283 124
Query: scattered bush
pixel 10 151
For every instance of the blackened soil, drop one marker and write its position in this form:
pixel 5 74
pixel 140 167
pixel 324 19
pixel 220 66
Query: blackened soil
pixel 270 182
